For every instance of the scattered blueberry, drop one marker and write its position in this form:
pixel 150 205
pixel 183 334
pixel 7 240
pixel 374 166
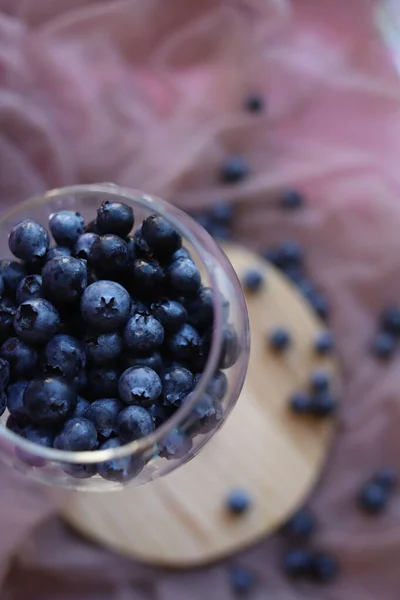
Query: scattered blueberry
pixel 319 381
pixel 148 278
pixel 64 279
pixel 104 348
pixel 291 254
pixel 104 415
pixel 323 405
pixel 66 226
pixel 134 422
pixel 115 217
pixel 300 403
pixel 301 526
pixel 170 313
pixel 65 356
pixel 175 445
pixel 57 252
pixel 324 567
pixel 28 240
pixel 29 288
pixel 49 400
pixel 77 435
pixel 373 498
pixel 390 320
pixel 119 469
pixel 320 305
pixel 291 199
pixel 253 280
pixel 183 276
pixel 234 170
pixel 143 335
pixel 36 321
pixel 323 343
pixel 84 245
pixel 238 501
pixel 242 580
pixel 139 385
pixel 105 305
pixel 297 562
pixel 21 358
pixel 384 345
pixel 279 339
pixel 222 213
pixel 387 478
pixel 109 256
pixel 103 382
pixel 178 382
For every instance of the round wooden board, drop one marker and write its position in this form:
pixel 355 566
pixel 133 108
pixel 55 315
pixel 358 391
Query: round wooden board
pixel 181 520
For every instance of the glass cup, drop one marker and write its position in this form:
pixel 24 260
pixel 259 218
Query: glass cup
pixel 220 380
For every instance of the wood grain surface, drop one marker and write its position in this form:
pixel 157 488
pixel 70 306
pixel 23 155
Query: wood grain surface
pixel 181 520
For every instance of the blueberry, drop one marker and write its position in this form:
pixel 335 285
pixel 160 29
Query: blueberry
pixel 80 471
pixel 57 252
pixel 279 339
pixel 17 424
pixel 65 355
pixel 242 580
pixel 254 103
pixel 77 435
pixel 12 273
pixel 119 469
pixel 320 305
pixel 80 381
pixel 291 253
pixel 218 385
pixel 222 213
pixel 139 385
pixel 181 253
pixel 104 348
pixel 297 562
pixel 238 501
pixel 82 406
pixel 373 498
pixel 29 288
pixel 171 314
pixel 4 374
pixel 28 240
pixel 134 422
pixel 323 405
pixel 323 343
pixel 3 402
pixel 234 170
pixel 143 335
pixel 104 414
pixel 175 445
pixel 253 280
pixel 324 567
pixel 142 248
pixel 7 314
pixel 185 344
pixel 161 236
pixel 387 478
pixel 178 382
pixel 140 307
pixel 115 217
pixel 300 403
pixel 206 415
pixel 390 320
pixel 38 435
pixel 103 382
pixel 159 413
pixel 184 276
pixel 21 358
pixel 84 245
pixel 105 305
pixel 220 232
pixel 301 526
pixel 109 256
pixel 148 278
pixel 201 310
pixel 291 199
pixel 319 381
pixel 64 279
pixel 384 345
pixel 49 400
pixel 66 226
pixel 132 254
pixel 36 321
pixel 2 286
pixel 154 361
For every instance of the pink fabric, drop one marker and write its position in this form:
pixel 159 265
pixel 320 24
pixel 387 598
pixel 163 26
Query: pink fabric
pixel 150 94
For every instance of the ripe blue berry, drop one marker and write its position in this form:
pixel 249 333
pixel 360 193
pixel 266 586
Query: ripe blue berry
pixel 105 305
pixel 64 279
pixel 119 470
pixel 38 435
pixel 84 245
pixel 387 478
pixel 324 567
pixel 66 226
pixel 139 385
pixel 104 348
pixel 154 361
pixel 218 385
pixel 21 358
pixel 319 381
pixel 171 314
pixel 103 382
pixel 12 273
pixel 206 415
pixel 57 252
pixel 390 320
pixel 183 276
pixel 104 414
pixel 253 280
pixel 229 348
pixel 323 405
pixel 291 199
pixel 279 339
pixel 15 400
pixel 175 445
pixel 65 355
pixel 300 403
pixel 81 409
pixel 109 256
pixel 200 309
pixel 49 400
pixel 254 103
pixel 148 278
pixel 4 374
pixel 323 343
pixel 7 314
pixel 238 501
pixel 16 425
pixel 373 498
pixel 161 236
pixel 115 217
pixel 77 435
pixel 384 345
pixel 301 526
pixel 36 321
pixel 143 335
pixel 3 402
pixel 178 382
pixel 242 580
pixel 29 288
pixel 234 170
pixel 80 471
pixel 185 344
pixel 297 562
pixel 134 422
pixel 28 240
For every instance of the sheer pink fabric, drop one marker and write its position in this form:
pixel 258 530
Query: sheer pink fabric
pixel 150 94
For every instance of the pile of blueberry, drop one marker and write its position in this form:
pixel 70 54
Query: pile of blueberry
pixel 104 336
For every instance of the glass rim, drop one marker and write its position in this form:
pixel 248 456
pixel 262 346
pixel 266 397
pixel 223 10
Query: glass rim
pixel 193 236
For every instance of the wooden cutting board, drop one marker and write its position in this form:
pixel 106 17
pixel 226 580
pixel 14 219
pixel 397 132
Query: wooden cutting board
pixel 181 520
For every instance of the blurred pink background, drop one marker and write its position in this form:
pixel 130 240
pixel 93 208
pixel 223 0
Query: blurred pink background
pixel 150 95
